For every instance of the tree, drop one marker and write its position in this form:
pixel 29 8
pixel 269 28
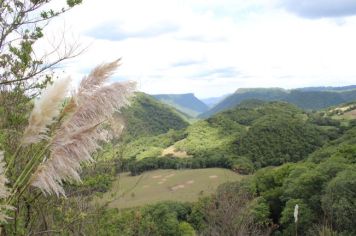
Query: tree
pixel 233 211
pixel 339 201
pixel 23 70
pixel 305 217
pixel 22 24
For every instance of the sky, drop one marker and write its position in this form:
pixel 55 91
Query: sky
pixel 213 47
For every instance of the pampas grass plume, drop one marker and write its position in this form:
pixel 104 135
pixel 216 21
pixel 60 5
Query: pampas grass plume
pixel 296 208
pixel 4 191
pixel 78 136
pixel 45 110
pixel 95 80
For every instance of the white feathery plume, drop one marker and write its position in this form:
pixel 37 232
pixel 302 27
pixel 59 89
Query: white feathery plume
pixel 117 126
pixel 296 213
pixel 95 80
pixel 3 180
pixel 45 110
pixel 4 191
pixel 78 137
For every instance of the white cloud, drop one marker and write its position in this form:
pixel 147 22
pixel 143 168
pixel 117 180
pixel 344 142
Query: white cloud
pixel 179 46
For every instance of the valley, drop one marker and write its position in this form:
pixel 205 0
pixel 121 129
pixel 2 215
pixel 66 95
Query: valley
pixel 279 153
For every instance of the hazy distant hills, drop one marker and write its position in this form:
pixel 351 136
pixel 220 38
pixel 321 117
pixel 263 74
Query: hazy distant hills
pixel 306 98
pixel 328 88
pixel 309 98
pixel 186 103
pixel 213 100
pixel 264 94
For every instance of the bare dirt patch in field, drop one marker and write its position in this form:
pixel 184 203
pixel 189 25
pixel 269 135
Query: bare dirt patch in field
pixel 156 176
pixel 176 187
pixel 213 176
pixel 169 176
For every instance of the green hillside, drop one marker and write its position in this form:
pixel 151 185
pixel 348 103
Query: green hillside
pixel 146 117
pixel 306 99
pixel 186 103
pixel 323 185
pixel 251 136
pixel 277 132
pixel 345 112
pixel 319 99
pixel 150 126
pixel 265 94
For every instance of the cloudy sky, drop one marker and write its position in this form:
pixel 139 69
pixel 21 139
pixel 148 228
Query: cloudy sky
pixel 213 47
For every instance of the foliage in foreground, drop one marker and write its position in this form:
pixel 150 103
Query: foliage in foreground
pixel 231 211
pixel 57 141
pixel 323 186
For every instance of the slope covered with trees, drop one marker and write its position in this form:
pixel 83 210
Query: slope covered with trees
pixel 253 135
pixel 147 117
pixel 323 185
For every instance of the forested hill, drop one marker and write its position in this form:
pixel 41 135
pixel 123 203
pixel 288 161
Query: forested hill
pixel 146 117
pixel 186 103
pixel 310 100
pixel 253 135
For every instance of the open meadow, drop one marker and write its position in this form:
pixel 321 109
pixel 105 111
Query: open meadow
pixel 162 185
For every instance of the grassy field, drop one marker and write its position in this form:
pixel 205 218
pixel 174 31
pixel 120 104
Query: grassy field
pixel 160 185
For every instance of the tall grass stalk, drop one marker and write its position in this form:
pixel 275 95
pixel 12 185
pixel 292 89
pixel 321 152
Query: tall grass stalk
pixel 61 136
pixel 4 192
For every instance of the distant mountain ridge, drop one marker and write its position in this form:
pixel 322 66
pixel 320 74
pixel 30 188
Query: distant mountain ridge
pixel 212 101
pixel 186 103
pixel 306 98
pixel 328 88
